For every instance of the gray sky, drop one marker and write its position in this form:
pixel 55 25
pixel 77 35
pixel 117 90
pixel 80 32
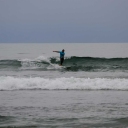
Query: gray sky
pixel 64 21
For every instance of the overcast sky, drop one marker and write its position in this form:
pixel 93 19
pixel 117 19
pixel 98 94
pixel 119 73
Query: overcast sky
pixel 64 21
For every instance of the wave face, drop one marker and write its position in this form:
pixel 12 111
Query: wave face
pixel 73 63
pixel 72 83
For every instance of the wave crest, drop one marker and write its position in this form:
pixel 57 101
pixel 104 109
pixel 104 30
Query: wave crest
pixel 71 64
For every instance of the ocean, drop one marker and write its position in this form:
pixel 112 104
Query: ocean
pixel 90 90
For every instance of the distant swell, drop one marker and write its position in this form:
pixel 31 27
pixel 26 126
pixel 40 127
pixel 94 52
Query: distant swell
pixel 38 83
pixel 70 64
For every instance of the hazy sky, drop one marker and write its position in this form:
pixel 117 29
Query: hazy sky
pixel 64 21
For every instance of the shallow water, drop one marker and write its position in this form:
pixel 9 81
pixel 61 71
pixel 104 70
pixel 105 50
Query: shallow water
pixel 39 109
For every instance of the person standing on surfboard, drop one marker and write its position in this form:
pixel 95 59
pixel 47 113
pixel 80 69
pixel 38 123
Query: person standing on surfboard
pixel 61 56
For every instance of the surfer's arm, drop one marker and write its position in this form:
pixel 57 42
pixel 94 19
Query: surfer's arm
pixel 57 51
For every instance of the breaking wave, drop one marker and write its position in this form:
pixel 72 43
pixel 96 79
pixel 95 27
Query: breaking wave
pixel 70 64
pixel 72 83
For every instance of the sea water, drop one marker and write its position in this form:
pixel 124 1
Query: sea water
pixel 89 90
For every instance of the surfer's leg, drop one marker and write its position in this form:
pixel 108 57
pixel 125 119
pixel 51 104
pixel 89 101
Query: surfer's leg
pixel 62 60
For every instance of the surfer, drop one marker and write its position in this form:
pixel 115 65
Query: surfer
pixel 61 56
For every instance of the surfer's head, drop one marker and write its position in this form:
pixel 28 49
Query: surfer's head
pixel 63 50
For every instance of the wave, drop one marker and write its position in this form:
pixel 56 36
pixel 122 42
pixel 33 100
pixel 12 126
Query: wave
pixel 72 83
pixel 70 64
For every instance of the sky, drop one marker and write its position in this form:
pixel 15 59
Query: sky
pixel 64 21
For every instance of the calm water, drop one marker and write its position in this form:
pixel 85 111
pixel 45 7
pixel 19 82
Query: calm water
pixel 90 90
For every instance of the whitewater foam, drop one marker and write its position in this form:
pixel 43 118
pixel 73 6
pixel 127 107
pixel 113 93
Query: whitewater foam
pixel 20 83
pixel 33 63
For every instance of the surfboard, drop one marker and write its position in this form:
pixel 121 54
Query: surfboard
pixel 58 66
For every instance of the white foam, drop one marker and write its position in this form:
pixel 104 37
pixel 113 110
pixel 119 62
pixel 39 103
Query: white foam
pixel 31 63
pixel 12 83
pixel 43 58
